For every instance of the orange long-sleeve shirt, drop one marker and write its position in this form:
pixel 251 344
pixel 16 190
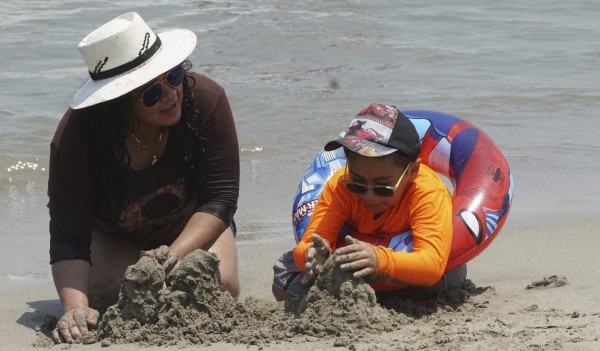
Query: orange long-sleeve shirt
pixel 425 208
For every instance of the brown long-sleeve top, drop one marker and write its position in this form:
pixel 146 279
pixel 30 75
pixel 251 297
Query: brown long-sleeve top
pixel 161 198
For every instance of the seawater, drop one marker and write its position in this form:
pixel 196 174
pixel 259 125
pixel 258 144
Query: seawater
pixel 297 71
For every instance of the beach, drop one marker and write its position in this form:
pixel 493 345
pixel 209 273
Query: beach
pixel 295 73
pixel 506 315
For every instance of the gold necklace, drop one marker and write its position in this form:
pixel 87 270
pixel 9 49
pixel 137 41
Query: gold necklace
pixel 144 147
pixel 140 143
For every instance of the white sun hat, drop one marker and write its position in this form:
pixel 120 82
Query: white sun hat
pixel 124 54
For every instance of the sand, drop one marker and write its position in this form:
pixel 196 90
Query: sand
pixel 528 291
pixel 339 311
pixel 192 310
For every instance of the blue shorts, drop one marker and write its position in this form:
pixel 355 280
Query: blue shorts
pixel 288 277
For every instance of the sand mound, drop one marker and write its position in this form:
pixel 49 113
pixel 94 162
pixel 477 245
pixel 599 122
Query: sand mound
pixel 192 310
pixel 343 307
pixel 338 311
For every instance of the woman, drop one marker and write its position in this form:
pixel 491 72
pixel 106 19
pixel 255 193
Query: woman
pixel 145 160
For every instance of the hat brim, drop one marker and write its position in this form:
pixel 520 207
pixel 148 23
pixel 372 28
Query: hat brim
pixel 176 46
pixel 360 146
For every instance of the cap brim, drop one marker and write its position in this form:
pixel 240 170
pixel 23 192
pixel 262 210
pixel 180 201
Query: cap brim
pixel 176 46
pixel 360 146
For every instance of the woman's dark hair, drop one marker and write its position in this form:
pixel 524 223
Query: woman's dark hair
pixel 109 123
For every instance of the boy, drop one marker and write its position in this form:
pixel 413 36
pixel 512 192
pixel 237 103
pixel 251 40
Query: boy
pixel 384 190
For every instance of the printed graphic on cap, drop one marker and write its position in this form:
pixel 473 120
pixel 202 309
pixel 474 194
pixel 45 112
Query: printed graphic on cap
pixel 361 147
pixel 356 129
pixel 383 114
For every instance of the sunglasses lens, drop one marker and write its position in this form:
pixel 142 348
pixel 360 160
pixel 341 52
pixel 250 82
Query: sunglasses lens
pixel 356 188
pixel 385 192
pixel 174 77
pixel 152 94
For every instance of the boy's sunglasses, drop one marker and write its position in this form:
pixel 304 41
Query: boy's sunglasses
pixel 381 190
pixel 172 78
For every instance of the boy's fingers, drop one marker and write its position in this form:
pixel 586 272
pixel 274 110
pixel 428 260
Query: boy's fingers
pixel 310 253
pixel 351 255
pixel 308 274
pixel 322 250
pixel 347 249
pixel 318 268
pixel 363 273
pixel 317 240
pixel 320 242
pixel 358 263
pixel 350 266
pixel 316 254
pixel 350 240
pixel 312 268
pixel 321 246
pixel 306 279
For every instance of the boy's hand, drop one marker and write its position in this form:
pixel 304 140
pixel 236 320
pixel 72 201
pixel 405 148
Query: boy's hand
pixel 358 256
pixel 317 253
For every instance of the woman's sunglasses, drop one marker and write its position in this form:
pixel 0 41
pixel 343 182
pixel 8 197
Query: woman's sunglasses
pixel 381 190
pixel 172 78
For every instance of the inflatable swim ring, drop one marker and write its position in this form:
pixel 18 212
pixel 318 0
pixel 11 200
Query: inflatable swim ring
pixel 455 148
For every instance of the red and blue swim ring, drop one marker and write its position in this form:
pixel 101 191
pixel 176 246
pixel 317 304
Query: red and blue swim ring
pixel 453 147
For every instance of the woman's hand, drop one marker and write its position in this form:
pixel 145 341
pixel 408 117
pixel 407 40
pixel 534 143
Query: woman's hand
pixel 358 256
pixel 167 257
pixel 317 253
pixel 74 324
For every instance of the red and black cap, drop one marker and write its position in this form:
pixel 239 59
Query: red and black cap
pixel 379 130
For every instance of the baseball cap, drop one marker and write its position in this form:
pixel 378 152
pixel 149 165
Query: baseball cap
pixel 379 130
